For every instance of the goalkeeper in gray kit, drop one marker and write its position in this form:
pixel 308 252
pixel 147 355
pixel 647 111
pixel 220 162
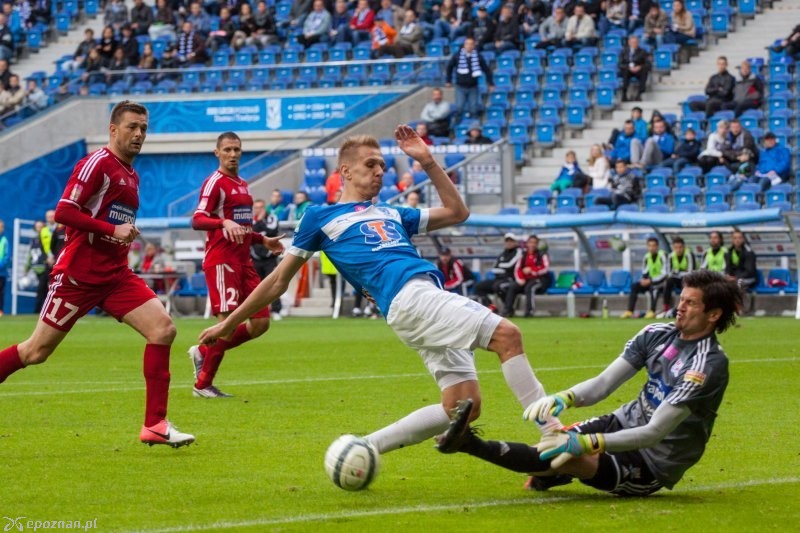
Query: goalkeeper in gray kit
pixel 648 443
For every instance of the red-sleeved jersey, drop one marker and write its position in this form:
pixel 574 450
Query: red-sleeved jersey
pixel 226 197
pixel 106 189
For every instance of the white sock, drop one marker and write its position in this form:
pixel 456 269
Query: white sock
pixel 414 428
pixel 521 380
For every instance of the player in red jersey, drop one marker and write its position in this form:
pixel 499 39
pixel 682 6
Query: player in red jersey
pixel 225 212
pixel 98 208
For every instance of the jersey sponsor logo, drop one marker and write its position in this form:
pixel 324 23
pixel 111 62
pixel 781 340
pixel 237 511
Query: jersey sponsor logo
pixel 382 233
pixel 656 391
pixel 121 214
pixel 243 215
pixel 694 376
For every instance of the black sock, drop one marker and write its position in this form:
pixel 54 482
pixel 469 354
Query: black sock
pixel 515 456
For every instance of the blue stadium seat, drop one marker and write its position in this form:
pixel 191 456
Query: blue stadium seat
pixel 546 134
pixel 619 282
pixel 718 208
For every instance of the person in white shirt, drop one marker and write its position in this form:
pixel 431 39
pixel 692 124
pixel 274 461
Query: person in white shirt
pixel 598 168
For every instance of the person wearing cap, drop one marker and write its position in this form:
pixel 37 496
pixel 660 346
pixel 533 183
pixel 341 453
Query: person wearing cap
pixel 457 277
pixel 503 271
pixel 685 154
pixel 531 276
pixel 475 135
pixel 774 161
pixel 469 67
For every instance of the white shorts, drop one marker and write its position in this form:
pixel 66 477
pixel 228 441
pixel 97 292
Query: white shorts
pixel 443 327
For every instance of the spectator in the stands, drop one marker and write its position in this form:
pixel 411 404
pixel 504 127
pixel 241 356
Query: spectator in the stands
pixel 422 130
pixel 436 114
pixel 655 25
pixel 615 17
pixel 333 184
pixel 62 93
pixel 115 14
pixel 245 28
pixel 719 90
pixel 316 25
pixel 406 180
pixel 580 29
pixel 659 147
pixel 117 66
pixel 11 98
pixel 740 262
pixel 5 74
pixel 715 144
pixel 455 274
pixel 530 16
pixel 748 93
pixel 640 128
pixel 382 35
pixel 276 206
pixel 164 23
pixel 35 97
pixel 390 13
pixel 774 161
pixel 169 60
pixel 148 60
pixel 81 52
pixel 531 276
pixel 41 11
pixel 739 140
pixel 570 175
pixel 625 187
pixel 503 271
pixel 469 66
pixel 413 200
pixel 191 48
pixel 791 44
pixel 553 29
pixel 264 30
pixel 455 19
pixel 638 9
pixel 201 21
pixel 297 14
pixel 108 43
pixel 6 39
pixel 408 40
pixel 483 28
pixel 475 135
pixel 340 23
pixel 129 45
pixel 685 154
pixel 506 33
pixel 93 67
pixel 681 29
pixel 361 22
pixel 633 64
pixel 598 169
pixel 627 147
pixel 298 207
pixel 141 17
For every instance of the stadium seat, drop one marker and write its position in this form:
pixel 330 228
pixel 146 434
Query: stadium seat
pixel 565 282
pixel 619 282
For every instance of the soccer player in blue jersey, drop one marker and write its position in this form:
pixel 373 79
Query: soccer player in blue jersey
pixel 370 245
pixel 648 443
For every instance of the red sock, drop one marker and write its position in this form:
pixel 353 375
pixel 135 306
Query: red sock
pixel 156 376
pixel 213 355
pixel 9 362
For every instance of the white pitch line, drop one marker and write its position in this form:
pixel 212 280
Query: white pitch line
pixel 322 517
pixel 135 388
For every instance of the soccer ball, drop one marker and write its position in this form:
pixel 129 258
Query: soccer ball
pixel 617 244
pixel 351 462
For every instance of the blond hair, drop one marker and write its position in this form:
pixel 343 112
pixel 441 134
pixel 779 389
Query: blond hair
pixel 351 145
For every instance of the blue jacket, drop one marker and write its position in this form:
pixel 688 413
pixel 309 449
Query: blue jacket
pixel 5 258
pixel 667 144
pixel 777 158
pixel 622 147
pixel 640 129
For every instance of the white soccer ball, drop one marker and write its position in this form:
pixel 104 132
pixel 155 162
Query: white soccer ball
pixel 352 463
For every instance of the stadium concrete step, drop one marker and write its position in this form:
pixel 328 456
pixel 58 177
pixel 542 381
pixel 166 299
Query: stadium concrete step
pixel 667 92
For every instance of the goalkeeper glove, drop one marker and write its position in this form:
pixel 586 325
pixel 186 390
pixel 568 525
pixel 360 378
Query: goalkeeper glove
pixel 543 409
pixel 562 446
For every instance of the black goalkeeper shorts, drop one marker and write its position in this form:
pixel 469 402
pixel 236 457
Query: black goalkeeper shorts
pixel 620 473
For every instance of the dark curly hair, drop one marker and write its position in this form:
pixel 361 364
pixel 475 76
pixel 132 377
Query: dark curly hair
pixel 718 293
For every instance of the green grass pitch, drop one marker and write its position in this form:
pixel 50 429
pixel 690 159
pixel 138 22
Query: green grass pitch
pixel 69 448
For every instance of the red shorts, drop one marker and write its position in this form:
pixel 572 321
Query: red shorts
pixel 229 285
pixel 68 300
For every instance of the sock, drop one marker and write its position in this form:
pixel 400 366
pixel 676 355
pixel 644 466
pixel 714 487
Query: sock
pixel 514 456
pixel 414 428
pixel 156 377
pixel 521 380
pixel 213 355
pixel 9 362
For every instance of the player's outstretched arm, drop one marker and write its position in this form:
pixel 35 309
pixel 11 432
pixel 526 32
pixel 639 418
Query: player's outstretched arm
pixel 264 294
pixel 453 210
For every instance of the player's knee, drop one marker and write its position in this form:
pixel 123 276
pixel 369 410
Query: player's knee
pixel 258 327
pixel 164 331
pixel 507 340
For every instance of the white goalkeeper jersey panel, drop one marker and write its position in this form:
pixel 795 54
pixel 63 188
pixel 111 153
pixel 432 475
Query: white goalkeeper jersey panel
pixel 370 245
pixel 682 373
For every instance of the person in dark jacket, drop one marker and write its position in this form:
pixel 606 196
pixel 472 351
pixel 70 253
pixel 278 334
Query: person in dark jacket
pixel 791 44
pixel 506 35
pixel 748 93
pixel 719 90
pixel 633 63
pixel 469 66
pixel 739 140
pixel 483 28
pixel 740 262
pixel 625 187
pixel 503 271
pixel 685 154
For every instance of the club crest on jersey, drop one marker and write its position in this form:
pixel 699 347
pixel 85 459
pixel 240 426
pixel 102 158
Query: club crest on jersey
pixel 382 233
